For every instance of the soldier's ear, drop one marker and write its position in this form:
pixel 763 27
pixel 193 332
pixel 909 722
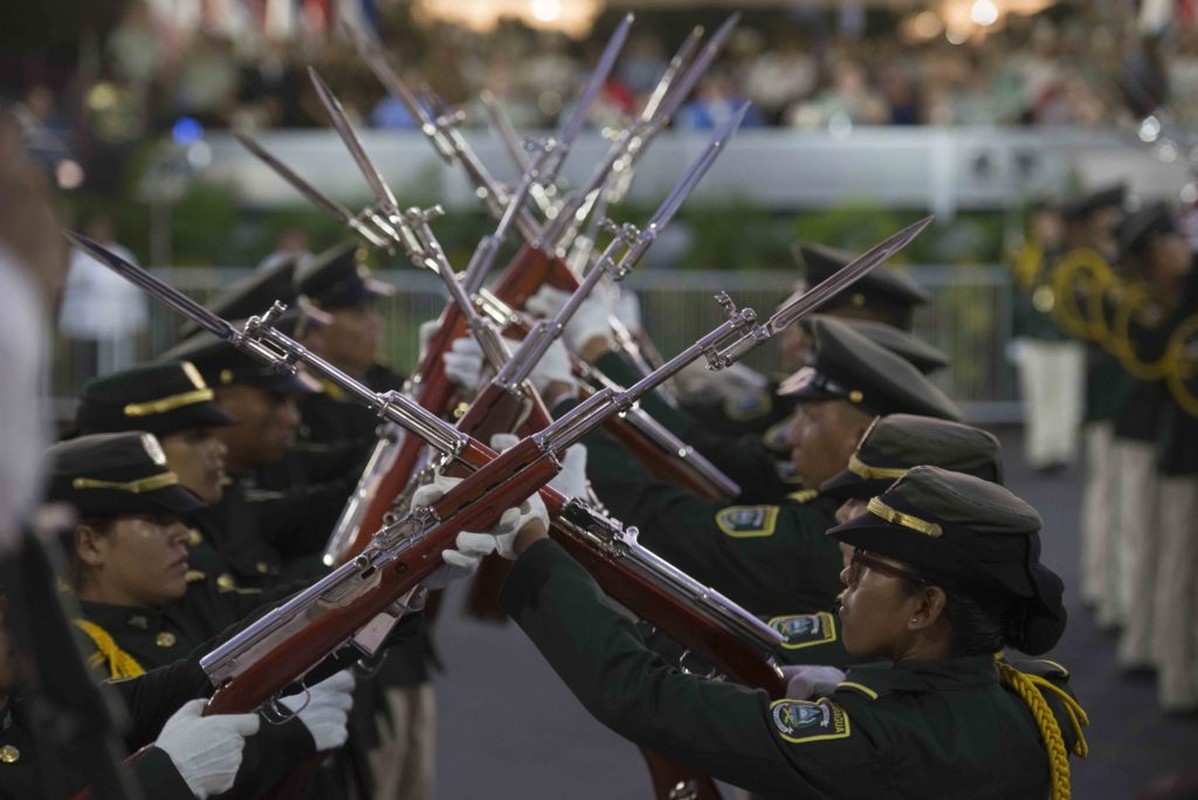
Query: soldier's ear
pixel 928 608
pixel 87 545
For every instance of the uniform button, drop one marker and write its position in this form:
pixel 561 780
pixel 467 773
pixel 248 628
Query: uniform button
pixel 225 581
pixel 194 538
pixel 9 754
pixel 165 639
pixel 262 568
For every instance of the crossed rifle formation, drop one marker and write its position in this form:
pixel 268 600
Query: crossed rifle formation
pixel 384 553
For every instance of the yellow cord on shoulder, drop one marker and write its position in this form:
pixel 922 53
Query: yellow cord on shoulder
pixel 1031 689
pixel 120 663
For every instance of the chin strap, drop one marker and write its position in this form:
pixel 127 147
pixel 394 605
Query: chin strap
pixel 1031 688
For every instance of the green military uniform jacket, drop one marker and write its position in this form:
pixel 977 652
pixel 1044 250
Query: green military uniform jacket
pixel 158 638
pixel 27 772
pixel 944 729
pixel 770 558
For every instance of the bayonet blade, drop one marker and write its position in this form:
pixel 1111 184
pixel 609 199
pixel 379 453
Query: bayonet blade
pixel 603 68
pixel 690 76
pixel 697 170
pixel 346 131
pixel 152 285
pixel 844 277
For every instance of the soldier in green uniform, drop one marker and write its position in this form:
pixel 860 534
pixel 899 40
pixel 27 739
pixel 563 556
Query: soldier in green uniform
pixel 128 566
pixel 945 573
pixel 260 526
pixel 1155 258
pixel 773 558
pixel 883 296
pixel 337 433
pixel 893 445
pixel 1175 641
pixel 171 401
pixel 336 436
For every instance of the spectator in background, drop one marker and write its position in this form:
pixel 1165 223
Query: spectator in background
pixel 207 87
pixel 101 311
pixel 716 99
pixel 781 76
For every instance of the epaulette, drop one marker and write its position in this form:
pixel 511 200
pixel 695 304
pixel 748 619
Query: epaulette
pixel 803 495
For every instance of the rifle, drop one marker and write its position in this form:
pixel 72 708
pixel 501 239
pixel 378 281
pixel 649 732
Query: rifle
pixel 337 609
pixel 394 459
pixel 359 602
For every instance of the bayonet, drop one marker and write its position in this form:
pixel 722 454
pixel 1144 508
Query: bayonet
pixel 322 201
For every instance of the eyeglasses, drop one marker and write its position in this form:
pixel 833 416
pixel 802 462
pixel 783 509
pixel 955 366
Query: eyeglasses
pixel 862 560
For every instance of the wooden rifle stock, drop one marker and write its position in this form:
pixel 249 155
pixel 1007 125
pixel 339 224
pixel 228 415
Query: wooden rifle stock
pixel 528 270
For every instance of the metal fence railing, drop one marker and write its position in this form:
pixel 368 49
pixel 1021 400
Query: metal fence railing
pixel 969 318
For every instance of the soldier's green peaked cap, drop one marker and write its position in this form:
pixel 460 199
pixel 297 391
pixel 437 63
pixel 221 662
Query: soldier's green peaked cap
pixel 923 356
pixel 106 474
pixel 1138 230
pixel 898 442
pixel 848 366
pixel 885 291
pixel 158 398
pixel 951 525
pixel 337 278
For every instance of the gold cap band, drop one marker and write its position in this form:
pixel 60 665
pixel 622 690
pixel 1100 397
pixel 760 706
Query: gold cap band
pixel 863 470
pixel 159 481
pixel 880 509
pixel 168 403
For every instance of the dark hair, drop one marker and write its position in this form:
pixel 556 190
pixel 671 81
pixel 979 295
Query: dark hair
pixel 981 622
pixel 101 525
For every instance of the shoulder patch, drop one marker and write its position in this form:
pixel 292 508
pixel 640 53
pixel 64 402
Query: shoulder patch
pixel 775 436
pixel 804 721
pixel 805 630
pixel 747 522
pixel 744 407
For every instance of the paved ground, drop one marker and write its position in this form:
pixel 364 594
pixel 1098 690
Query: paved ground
pixel 509 728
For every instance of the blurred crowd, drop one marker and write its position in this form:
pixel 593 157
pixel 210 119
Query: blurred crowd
pixel 1084 67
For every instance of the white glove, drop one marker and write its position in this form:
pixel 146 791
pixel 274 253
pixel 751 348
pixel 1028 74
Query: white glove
pixel 516 517
pixel 325 710
pixel 427 331
pixel 572 480
pixel 206 750
pixel 805 680
pixel 553 367
pixel 464 363
pixel 589 319
pixel 461 560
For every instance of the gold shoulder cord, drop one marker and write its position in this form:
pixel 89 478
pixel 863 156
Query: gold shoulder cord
pixel 1134 299
pixel 1075 267
pixel 1028 262
pixel 1031 689
pixel 120 663
pixel 1182 364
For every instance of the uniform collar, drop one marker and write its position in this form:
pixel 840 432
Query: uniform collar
pixel 876 680
pixel 115 618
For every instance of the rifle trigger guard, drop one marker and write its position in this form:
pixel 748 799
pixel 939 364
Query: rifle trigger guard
pixel 274 712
